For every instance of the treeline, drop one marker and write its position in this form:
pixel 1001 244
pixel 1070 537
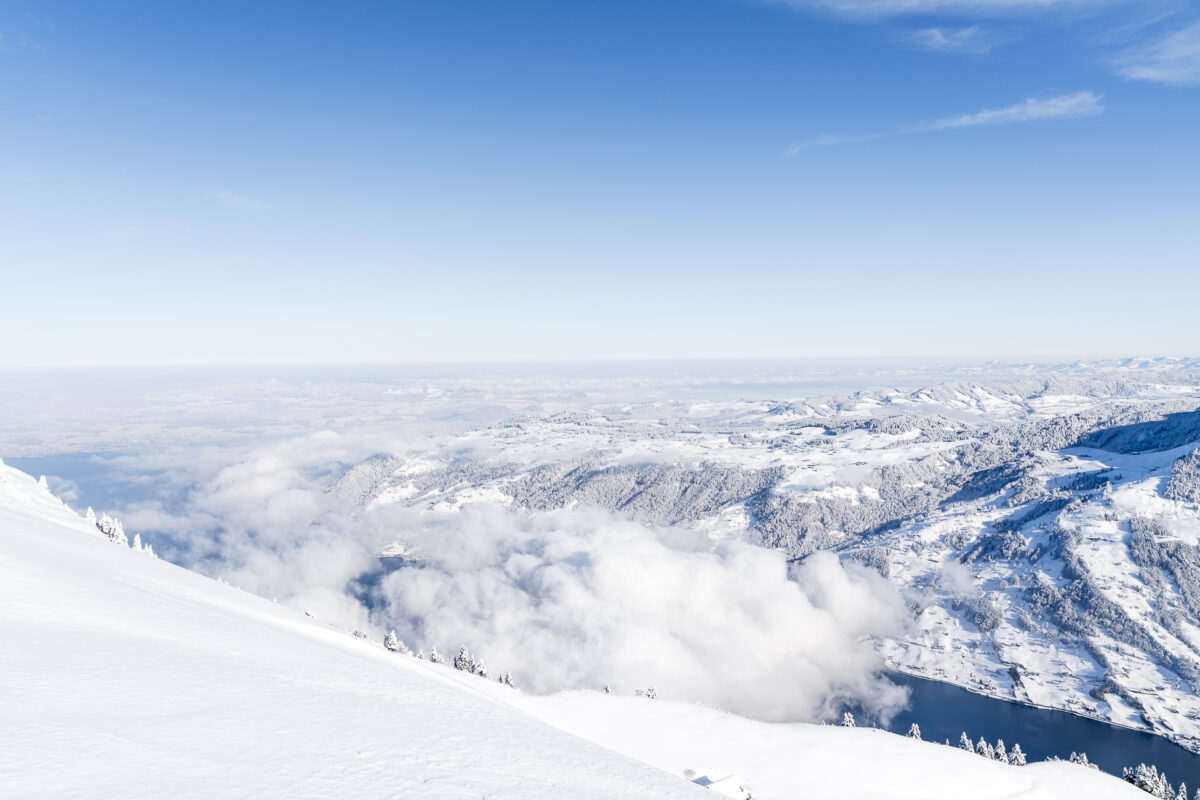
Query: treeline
pixel 463 661
pixel 1149 779
pixel 114 531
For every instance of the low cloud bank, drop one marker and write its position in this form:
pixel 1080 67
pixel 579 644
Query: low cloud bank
pixel 564 599
pixel 581 598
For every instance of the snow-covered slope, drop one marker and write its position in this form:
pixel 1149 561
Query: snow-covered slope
pixel 125 676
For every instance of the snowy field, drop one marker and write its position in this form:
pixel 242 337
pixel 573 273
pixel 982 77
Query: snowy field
pixel 126 676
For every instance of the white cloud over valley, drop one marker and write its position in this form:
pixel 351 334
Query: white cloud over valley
pixel 565 599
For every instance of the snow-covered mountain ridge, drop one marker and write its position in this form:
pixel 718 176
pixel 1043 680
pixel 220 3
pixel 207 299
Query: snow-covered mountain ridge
pixel 127 676
pixel 1045 530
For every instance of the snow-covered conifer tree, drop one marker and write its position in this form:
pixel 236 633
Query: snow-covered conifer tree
pixel 847 720
pixel 1182 793
pixel 606 689
pixel 91 515
pixel 113 529
pixel 420 653
pixel 1082 760
pixel 480 669
pixel 1000 753
pixel 391 642
pixel 1148 779
pixel 463 660
pixel 508 679
pixel 914 731
pixel 965 743
pixel 1017 756
pixel 984 749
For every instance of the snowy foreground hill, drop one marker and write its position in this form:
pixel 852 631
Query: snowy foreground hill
pixel 125 676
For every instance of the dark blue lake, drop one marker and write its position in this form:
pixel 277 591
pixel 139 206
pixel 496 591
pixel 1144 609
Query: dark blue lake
pixel 944 711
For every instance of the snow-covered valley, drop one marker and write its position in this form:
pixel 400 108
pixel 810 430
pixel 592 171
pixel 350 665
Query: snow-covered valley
pixel 1043 531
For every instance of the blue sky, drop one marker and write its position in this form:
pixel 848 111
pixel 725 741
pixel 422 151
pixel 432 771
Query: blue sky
pixel 413 181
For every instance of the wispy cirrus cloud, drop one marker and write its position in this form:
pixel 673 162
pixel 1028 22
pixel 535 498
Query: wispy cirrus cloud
pixel 1173 59
pixel 969 27
pixel 1067 106
pixel 971 39
pixel 895 8
pixel 235 199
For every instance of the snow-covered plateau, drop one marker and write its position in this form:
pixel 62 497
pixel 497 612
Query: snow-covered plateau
pixel 122 675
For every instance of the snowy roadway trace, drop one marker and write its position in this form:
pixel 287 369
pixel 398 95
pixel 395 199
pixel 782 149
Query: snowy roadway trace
pixel 126 676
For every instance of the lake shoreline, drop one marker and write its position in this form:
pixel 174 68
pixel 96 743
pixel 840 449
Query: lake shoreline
pixel 944 711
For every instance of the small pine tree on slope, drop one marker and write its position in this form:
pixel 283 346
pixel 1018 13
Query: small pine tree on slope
pixel 396 644
pixel 984 749
pixel 113 529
